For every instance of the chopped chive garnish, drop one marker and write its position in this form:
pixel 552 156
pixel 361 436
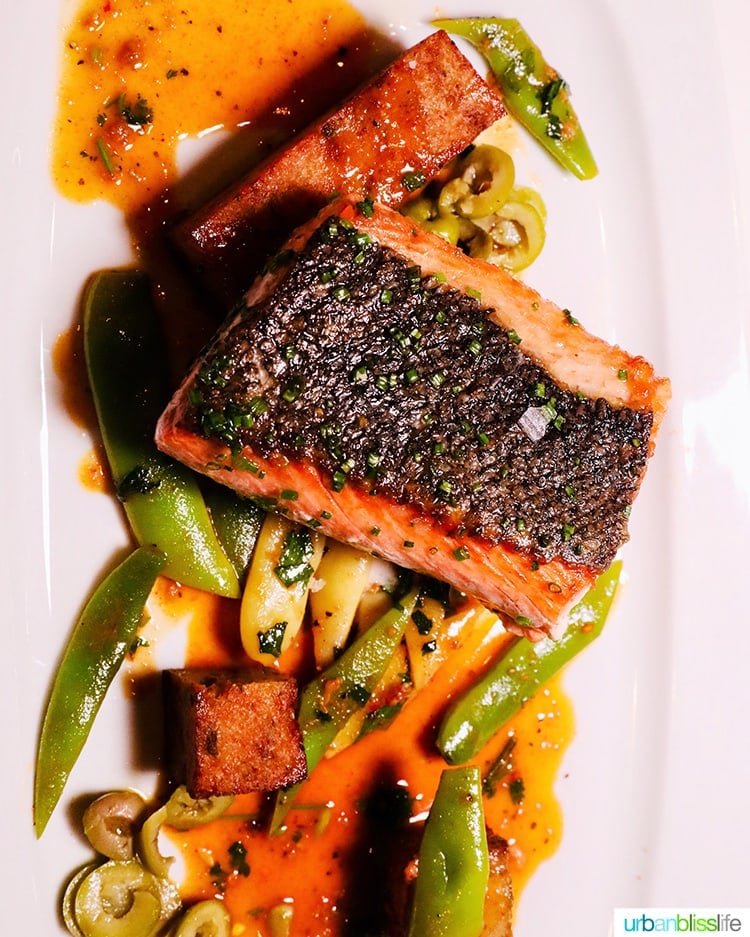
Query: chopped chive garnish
pixel 374 531
pixel 360 239
pixel 412 376
pixel 570 318
pixel 258 406
pixel 514 337
pixel 289 494
pixel 423 623
pixel 568 531
pixel 540 390
pixel 291 392
pixel 408 544
pixel 524 622
pixel 105 157
pixel 341 292
pixel 461 553
pixel 366 207
pixel 475 346
pixel 339 480
pixel 326 515
pixel 413 180
pixel 359 375
pixel 498 769
pixel 441 317
pixel 386 296
pixel 271 640
pixel 622 375
pixel 475 294
pixel 483 438
pixel 437 379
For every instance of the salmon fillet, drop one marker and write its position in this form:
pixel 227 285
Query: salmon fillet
pixel 399 129
pixel 380 385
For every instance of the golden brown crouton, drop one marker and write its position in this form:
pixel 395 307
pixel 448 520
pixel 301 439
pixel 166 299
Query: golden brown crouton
pixel 232 732
pixel 384 143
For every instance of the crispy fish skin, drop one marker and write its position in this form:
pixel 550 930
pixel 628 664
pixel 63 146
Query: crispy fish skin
pixel 411 119
pixel 244 412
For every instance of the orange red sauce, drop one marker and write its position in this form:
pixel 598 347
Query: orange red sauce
pixel 319 865
pixel 138 77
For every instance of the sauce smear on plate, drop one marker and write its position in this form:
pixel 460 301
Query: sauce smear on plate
pixel 138 78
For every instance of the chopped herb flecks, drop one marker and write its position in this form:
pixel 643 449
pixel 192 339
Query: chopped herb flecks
pixel 296 551
pixel 271 640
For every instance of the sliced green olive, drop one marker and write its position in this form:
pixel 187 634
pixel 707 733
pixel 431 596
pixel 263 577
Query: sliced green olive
pixel 419 209
pixel 205 919
pixel 518 235
pixel 280 919
pixel 525 193
pixel 453 191
pixel 431 217
pixel 123 899
pixel 68 900
pixel 108 823
pixel 184 812
pixel 148 844
pixel 445 225
pixel 488 173
pixel 475 240
pixel 181 812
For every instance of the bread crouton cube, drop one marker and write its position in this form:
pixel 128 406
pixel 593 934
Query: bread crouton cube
pixel 232 731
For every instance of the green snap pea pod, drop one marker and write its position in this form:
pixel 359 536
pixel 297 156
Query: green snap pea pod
pixel 475 717
pixel 332 698
pixel 97 647
pixel 453 861
pixel 533 91
pixel 127 368
pixel 237 522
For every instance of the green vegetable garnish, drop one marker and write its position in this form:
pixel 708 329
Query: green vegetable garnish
pixel 453 861
pixel 126 362
pixel 475 717
pixel 96 649
pixel 329 701
pixel 533 91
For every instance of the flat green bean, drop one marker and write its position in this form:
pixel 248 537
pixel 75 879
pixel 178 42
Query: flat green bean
pixel 453 861
pixel 474 717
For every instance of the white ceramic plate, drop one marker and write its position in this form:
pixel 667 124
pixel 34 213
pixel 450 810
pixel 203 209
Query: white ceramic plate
pixel 650 255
